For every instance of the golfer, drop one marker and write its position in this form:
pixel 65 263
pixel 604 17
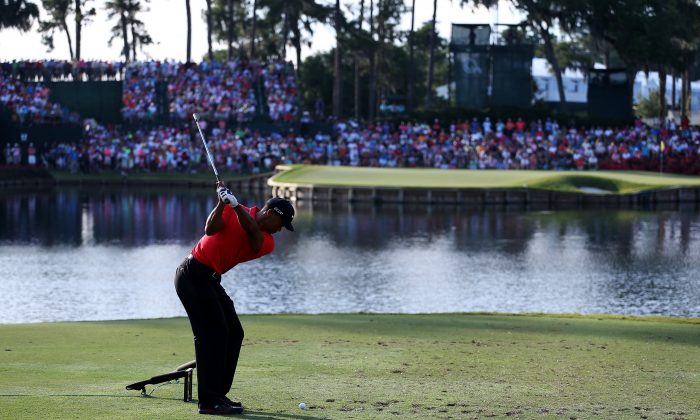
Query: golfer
pixel 233 234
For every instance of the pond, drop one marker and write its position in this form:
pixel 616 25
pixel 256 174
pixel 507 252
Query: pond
pixel 111 253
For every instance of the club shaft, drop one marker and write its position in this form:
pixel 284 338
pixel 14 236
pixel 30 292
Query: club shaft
pixel 206 149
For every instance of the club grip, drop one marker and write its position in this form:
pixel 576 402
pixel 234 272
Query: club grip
pixel 192 364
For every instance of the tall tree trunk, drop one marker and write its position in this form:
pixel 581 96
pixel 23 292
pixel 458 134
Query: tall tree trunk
pixel 78 28
pixel 285 34
pixel 255 23
pixel 552 58
pixel 411 59
pixel 125 33
pixel 673 90
pixel 64 25
pixel 357 64
pixel 189 30
pixel 662 94
pixel 431 63
pixel 210 52
pixel 296 40
pixel 338 80
pixel 372 68
pixel 685 94
pixel 682 99
pixel 606 56
pixel 688 93
pixel 133 42
pixel 230 28
pixel 631 74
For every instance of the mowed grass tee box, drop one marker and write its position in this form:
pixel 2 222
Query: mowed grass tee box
pixel 367 366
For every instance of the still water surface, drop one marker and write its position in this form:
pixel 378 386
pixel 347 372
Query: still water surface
pixel 95 254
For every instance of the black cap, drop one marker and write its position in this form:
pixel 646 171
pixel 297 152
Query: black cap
pixel 284 208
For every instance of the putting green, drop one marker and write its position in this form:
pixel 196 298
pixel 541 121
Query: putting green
pixel 367 366
pixel 601 181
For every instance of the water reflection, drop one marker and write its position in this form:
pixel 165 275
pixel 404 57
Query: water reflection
pixel 96 216
pixel 110 253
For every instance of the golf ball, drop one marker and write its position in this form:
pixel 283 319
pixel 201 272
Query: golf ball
pixel 302 406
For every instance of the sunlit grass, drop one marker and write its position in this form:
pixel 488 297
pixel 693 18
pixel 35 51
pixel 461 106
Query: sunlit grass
pixel 619 182
pixel 367 366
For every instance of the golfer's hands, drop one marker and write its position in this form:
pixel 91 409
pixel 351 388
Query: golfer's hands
pixel 226 196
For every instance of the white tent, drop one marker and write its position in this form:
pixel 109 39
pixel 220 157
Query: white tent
pixel 576 85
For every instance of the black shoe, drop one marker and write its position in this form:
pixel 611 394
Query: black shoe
pixel 221 409
pixel 232 403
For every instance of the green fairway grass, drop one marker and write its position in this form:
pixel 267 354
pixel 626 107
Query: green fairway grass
pixel 367 366
pixel 619 182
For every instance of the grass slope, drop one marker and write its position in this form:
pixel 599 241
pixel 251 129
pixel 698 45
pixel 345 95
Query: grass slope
pixel 613 181
pixel 367 366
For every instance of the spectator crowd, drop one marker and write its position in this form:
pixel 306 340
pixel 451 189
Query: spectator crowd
pixel 281 90
pixel 461 145
pixel 223 93
pixel 61 70
pixel 28 102
pixel 217 90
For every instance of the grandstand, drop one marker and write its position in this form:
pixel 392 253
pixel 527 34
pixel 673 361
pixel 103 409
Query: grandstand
pixel 250 116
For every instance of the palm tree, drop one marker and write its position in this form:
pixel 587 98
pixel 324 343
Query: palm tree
pixel 542 16
pixel 57 11
pixel 338 79
pixel 189 30
pixel 118 8
pixel 80 18
pixel 383 31
pixel 78 26
pixel 231 25
pixel 139 35
pixel 431 62
pixel 357 63
pixel 210 53
pixel 223 16
pixel 372 98
pixel 19 14
pixel 296 16
pixel 128 24
pixel 255 22
pixel 411 59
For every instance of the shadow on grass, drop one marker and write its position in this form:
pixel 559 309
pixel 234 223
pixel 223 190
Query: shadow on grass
pixel 78 395
pixel 154 397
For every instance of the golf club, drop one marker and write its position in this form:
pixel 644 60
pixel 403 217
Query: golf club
pixel 204 141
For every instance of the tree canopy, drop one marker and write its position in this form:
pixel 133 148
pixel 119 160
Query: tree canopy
pixel 378 56
pixel 19 14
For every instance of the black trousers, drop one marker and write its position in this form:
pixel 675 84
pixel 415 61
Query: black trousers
pixel 218 334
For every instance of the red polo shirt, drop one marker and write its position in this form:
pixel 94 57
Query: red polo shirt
pixel 230 246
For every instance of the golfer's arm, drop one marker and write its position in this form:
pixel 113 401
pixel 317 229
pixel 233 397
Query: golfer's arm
pixel 215 221
pixel 251 227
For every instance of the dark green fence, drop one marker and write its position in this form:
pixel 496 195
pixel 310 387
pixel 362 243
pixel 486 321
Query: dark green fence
pixel 101 100
pixel 493 75
pixel 512 80
pixel 609 94
pixel 472 72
